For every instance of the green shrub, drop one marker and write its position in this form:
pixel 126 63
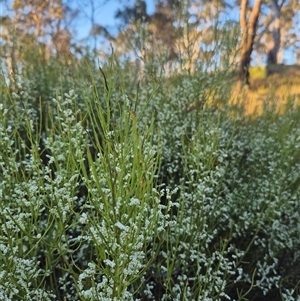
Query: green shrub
pixel 111 191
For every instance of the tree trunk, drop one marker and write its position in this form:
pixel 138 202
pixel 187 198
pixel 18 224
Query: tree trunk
pixel 248 28
pixel 275 28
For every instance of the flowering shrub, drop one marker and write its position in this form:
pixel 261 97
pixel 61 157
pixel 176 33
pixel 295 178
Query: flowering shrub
pixel 113 192
pixel 70 241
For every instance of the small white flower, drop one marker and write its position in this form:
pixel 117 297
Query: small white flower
pixel 134 202
pixel 83 218
pixel 110 263
pixel 120 226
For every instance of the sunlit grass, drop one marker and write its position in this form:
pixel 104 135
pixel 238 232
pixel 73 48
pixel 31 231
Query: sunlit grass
pixel 277 91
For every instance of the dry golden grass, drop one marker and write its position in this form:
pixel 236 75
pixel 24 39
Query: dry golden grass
pixel 279 90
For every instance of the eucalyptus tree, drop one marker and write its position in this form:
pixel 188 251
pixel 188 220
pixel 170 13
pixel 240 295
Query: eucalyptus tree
pixel 248 23
pixel 31 23
pixel 184 33
pixel 149 38
pixel 278 29
pixel 275 31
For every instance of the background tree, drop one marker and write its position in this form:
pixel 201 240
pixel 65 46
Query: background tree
pixel 248 23
pixel 278 30
pixel 150 39
pixel 182 32
pixel 184 35
pixel 29 24
pixel 272 55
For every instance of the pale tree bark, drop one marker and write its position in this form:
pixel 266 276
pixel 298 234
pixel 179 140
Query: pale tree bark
pixel 248 29
pixel 274 47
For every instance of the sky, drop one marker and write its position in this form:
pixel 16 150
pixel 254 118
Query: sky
pixel 106 15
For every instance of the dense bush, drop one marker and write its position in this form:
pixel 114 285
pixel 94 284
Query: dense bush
pixel 113 191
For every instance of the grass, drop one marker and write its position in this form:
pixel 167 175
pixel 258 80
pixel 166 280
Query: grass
pixel 279 91
pixel 116 191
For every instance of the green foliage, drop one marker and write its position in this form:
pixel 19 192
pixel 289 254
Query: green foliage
pixel 113 190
